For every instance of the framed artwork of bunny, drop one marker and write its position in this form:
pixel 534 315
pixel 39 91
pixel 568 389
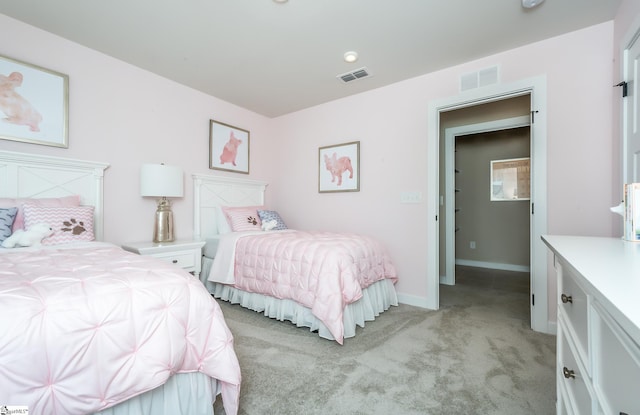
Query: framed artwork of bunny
pixel 228 147
pixel 34 104
pixel 339 168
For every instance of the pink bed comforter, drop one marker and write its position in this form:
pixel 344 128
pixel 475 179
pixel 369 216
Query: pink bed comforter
pixel 322 271
pixel 84 329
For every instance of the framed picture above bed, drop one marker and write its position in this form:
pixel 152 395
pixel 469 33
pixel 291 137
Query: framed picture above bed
pixel 228 147
pixel 339 168
pixel 34 104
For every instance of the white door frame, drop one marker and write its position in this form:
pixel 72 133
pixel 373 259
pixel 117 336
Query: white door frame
pixel 630 160
pixel 450 135
pixel 537 88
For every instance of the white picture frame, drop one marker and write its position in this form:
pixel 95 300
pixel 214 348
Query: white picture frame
pixel 34 104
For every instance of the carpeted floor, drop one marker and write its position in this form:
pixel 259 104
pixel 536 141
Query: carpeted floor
pixel 476 355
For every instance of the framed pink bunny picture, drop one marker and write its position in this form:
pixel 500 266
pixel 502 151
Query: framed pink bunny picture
pixel 34 104
pixel 228 148
pixel 339 168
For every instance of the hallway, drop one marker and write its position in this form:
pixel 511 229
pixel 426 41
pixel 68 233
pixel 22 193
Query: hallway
pixel 498 293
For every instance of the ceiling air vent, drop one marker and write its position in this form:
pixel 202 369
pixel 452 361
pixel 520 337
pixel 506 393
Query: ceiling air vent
pixel 354 75
pixel 483 77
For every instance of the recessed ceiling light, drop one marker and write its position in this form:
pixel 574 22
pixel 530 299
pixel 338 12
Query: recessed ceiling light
pixel 280 1
pixel 350 57
pixel 529 4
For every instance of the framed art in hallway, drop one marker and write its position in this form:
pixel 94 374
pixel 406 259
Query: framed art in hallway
pixel 339 168
pixel 228 147
pixel 510 179
pixel 34 104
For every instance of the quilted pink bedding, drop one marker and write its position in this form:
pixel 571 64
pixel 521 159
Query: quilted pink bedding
pixel 322 271
pixel 86 328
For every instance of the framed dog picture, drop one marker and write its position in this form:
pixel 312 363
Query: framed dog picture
pixel 339 168
pixel 34 104
pixel 228 148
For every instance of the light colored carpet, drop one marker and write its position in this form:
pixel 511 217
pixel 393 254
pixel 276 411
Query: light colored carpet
pixel 476 355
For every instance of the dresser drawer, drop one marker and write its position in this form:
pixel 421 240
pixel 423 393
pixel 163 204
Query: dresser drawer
pixel 571 376
pixel 616 365
pixel 183 260
pixel 572 300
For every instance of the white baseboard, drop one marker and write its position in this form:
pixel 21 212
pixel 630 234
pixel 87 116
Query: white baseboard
pixel 493 265
pixel 413 300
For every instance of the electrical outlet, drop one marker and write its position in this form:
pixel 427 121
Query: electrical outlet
pixel 472 244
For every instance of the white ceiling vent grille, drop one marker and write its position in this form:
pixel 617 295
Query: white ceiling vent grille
pixel 354 75
pixel 483 77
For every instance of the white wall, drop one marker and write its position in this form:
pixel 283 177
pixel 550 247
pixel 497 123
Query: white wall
pixel 391 123
pixel 126 116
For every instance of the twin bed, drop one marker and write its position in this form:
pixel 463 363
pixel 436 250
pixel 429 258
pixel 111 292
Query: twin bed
pixel 329 282
pixel 90 328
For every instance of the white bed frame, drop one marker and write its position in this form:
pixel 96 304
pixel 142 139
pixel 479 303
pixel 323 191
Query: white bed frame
pixel 211 192
pixel 25 175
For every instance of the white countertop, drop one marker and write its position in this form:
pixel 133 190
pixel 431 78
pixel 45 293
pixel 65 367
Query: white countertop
pixel 611 266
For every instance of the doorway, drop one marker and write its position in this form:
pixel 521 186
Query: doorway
pixel 494 235
pixel 630 110
pixel 536 89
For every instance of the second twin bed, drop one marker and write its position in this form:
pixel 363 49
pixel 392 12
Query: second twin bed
pixel 329 282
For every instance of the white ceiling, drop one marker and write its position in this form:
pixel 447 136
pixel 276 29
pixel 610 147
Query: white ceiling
pixel 278 58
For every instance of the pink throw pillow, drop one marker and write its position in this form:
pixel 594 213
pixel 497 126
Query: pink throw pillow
pixel 18 222
pixel 69 223
pixel 244 218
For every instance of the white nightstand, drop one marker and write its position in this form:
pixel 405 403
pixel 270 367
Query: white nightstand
pixel 185 254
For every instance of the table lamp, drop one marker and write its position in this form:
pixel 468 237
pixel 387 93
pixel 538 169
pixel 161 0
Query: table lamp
pixel 162 181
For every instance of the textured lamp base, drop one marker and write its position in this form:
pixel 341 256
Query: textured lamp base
pixel 163 229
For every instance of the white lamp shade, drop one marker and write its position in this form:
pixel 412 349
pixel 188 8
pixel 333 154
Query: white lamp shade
pixel 160 180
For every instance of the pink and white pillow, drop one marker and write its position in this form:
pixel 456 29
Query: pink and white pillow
pixel 244 218
pixel 69 223
pixel 18 222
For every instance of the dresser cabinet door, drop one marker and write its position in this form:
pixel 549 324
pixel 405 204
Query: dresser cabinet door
pixel 616 361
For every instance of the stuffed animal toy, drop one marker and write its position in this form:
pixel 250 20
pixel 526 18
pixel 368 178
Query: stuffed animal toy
pixel 31 237
pixel 267 226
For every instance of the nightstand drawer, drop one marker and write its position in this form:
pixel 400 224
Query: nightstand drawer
pixel 185 254
pixel 182 260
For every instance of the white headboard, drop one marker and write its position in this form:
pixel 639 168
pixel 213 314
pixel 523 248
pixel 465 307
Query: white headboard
pixel 37 176
pixel 211 192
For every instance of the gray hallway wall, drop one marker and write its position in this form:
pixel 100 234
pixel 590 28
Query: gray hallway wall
pixel 500 230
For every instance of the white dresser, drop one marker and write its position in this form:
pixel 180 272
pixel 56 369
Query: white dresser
pixel 598 345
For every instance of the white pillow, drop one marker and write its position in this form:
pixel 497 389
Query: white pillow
pixel 221 221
